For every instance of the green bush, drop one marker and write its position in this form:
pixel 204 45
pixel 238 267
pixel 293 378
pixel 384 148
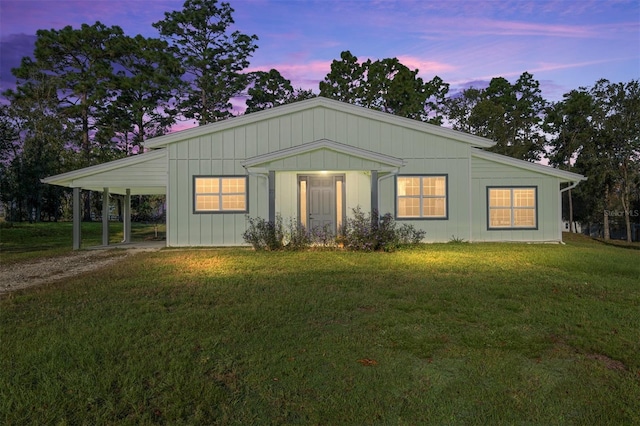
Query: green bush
pixel 362 232
pixel 264 235
pixel 370 232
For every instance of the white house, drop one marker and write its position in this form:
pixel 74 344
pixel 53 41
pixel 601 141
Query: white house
pixel 315 161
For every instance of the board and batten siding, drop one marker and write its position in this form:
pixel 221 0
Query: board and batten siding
pixel 151 173
pixel 222 152
pixel 487 173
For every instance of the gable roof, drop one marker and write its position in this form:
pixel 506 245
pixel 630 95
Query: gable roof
pixel 324 144
pixel 317 102
pixel 563 175
pixel 142 174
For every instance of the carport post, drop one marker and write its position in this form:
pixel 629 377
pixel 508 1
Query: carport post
pixel 77 219
pixel 126 220
pixel 105 216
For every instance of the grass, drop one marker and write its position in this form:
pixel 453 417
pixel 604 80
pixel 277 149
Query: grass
pixel 442 334
pixel 20 241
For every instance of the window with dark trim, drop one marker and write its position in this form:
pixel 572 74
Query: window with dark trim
pixel 512 207
pixel 421 197
pixel 219 194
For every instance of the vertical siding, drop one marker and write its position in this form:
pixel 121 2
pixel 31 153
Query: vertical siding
pixel 221 153
pixel 487 173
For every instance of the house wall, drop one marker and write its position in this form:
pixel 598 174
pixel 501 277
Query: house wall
pixel 489 173
pixel 222 153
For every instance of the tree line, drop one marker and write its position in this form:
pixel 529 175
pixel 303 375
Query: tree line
pixel 93 94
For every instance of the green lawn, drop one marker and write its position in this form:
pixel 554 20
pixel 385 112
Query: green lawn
pixel 23 241
pixel 442 334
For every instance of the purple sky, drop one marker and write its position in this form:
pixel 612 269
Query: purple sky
pixel 563 43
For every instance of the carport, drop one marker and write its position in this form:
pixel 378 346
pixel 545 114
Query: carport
pixel 142 174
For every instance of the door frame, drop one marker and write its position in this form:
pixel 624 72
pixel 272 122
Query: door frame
pixel 304 196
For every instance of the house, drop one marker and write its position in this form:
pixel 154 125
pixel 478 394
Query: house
pixel 316 160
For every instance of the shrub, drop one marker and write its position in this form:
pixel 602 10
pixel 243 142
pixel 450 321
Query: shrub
pixel 264 235
pixel 362 232
pixel 370 232
pixel 296 236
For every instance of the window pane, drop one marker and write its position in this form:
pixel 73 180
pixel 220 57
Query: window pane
pixel 524 217
pixel 499 198
pixel 523 198
pixel 232 185
pixel 408 186
pixel 233 202
pixel 433 207
pixel 303 203
pixel 500 218
pixel 207 185
pixel 409 207
pixel 339 212
pixel 207 202
pixel 433 186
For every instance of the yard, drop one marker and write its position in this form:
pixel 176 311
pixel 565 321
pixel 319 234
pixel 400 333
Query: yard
pixel 441 334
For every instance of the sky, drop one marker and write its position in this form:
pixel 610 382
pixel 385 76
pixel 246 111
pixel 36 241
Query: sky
pixel 565 44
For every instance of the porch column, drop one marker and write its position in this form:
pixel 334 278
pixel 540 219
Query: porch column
pixel 374 191
pixel 77 219
pixel 105 216
pixel 272 196
pixel 126 220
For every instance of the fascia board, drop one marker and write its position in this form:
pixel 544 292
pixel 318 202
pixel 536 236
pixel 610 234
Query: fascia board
pixel 539 168
pixel 331 104
pixel 323 144
pixel 66 179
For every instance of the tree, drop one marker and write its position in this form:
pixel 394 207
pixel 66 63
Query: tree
pixel 80 62
pixel 36 149
pixel 212 56
pixel 510 114
pixel 147 79
pixel 569 123
pixel 345 80
pixel 596 132
pixel 617 127
pixel 270 89
pixel 385 85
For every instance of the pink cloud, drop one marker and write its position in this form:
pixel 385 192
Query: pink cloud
pixel 426 68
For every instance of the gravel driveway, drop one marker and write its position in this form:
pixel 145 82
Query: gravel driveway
pixel 41 271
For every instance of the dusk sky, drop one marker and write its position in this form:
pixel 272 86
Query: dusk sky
pixel 563 43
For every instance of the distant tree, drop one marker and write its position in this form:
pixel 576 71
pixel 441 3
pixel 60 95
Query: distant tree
pixel 617 127
pixel 345 80
pixel 212 56
pixel 511 115
pixel 81 61
pixel 568 122
pixel 35 148
pixel 147 80
pixel 596 132
pixel 270 89
pixel 385 85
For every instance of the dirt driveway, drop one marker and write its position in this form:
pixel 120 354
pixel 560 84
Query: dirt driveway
pixel 41 271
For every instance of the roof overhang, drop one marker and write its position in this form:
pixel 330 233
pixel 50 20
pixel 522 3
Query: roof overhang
pixel 563 175
pixel 385 162
pixel 142 174
pixel 312 104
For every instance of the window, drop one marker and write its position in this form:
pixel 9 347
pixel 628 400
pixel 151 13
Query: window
pixel 422 197
pixel 220 194
pixel 512 208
